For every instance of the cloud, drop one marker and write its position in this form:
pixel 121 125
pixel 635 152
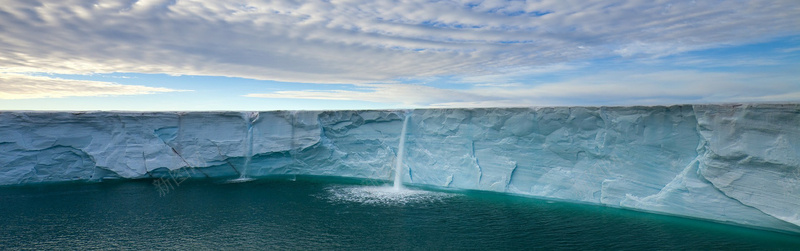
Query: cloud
pixel 406 94
pixel 507 76
pixel 612 88
pixel 18 86
pixel 790 50
pixel 366 41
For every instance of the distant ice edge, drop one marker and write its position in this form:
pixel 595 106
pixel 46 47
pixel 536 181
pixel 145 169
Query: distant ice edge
pixel 736 163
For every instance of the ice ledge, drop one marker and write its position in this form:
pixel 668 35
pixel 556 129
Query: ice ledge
pixel 734 163
pixel 752 154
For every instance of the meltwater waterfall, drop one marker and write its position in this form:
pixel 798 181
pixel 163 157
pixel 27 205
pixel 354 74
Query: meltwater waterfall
pixel 398 168
pixel 249 118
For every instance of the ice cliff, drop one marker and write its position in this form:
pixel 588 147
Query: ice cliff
pixel 731 163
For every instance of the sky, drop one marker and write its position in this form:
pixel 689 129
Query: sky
pixel 190 55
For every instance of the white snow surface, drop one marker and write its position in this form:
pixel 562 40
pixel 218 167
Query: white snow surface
pixel 736 163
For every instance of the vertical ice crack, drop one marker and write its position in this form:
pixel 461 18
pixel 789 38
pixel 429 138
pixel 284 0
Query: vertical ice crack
pixel 477 163
pixel 293 123
pixel 511 175
pixel 144 160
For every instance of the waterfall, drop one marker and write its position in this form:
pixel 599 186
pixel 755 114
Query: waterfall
pixel 398 168
pixel 249 118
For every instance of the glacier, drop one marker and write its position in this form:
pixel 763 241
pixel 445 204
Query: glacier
pixel 734 163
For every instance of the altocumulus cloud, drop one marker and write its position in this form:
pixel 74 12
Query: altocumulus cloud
pixel 17 86
pixel 612 88
pixel 365 42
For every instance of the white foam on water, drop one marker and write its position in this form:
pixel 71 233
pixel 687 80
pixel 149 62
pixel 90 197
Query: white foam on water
pixel 383 195
pixel 240 180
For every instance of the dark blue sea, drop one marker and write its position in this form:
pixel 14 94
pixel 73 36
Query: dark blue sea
pixel 314 213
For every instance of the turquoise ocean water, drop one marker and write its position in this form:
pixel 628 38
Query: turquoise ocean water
pixel 311 213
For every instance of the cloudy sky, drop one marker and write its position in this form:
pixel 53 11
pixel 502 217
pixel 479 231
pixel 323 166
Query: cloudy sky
pixel 374 54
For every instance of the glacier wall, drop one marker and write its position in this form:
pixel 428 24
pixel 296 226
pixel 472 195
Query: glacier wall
pixel 730 163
